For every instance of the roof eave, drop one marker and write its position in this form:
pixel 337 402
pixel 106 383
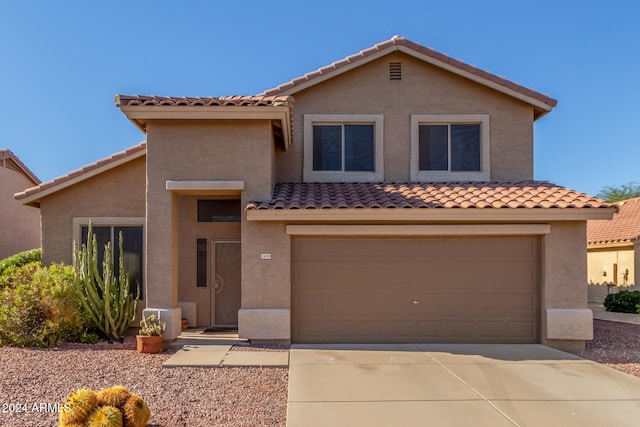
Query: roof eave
pixel 431 215
pixel 618 244
pixel 8 154
pixel 29 197
pixel 139 115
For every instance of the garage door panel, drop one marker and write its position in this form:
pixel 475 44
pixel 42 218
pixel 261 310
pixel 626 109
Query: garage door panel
pixel 415 290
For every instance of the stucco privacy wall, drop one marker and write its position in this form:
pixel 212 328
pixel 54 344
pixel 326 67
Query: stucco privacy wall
pixel 566 320
pixel 197 150
pixel 424 89
pixel 119 192
pixel 20 229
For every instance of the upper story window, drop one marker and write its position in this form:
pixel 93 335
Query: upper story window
pixel 343 147
pixel 450 148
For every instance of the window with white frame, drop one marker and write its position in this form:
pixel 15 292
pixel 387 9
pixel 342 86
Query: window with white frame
pixel 450 148
pixel 343 147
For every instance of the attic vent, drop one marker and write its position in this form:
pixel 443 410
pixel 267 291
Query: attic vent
pixel 395 70
pixel 10 164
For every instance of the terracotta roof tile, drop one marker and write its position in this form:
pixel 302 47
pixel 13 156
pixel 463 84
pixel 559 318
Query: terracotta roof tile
pixel 624 227
pixel 256 101
pixel 129 152
pixel 462 195
pixel 401 41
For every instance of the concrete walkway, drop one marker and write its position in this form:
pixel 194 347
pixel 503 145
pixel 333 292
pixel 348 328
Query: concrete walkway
pixel 617 317
pixel 206 350
pixel 455 385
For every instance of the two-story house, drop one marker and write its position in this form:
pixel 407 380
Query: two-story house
pixel 387 197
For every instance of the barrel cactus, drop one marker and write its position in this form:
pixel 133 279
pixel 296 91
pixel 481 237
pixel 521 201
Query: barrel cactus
pixel 105 416
pixel 112 407
pixel 114 396
pixel 78 406
pixel 136 412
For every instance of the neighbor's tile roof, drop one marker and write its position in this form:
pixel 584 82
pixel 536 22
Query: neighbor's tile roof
pixel 84 171
pixel 7 155
pixel 625 225
pixel 464 195
pixel 233 101
pixel 436 56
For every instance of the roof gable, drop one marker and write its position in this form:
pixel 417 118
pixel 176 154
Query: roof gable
pixel 624 227
pixel 32 196
pixel 542 103
pixel 9 160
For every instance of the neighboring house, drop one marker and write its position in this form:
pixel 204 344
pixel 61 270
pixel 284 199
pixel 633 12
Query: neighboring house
pixel 387 197
pixel 614 251
pixel 20 230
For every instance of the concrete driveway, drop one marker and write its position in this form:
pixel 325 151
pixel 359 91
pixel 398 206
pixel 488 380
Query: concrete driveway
pixel 455 385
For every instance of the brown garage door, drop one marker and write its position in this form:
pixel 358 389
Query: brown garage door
pixel 467 290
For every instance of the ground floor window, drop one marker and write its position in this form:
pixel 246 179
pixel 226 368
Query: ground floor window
pixel 132 246
pixel 201 263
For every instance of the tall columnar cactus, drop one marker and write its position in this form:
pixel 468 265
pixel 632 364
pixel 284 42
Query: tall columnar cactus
pixel 106 298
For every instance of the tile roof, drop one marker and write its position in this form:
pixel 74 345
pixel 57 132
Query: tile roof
pixel 624 227
pixel 452 195
pixel 436 57
pixel 84 172
pixel 222 101
pixel 5 153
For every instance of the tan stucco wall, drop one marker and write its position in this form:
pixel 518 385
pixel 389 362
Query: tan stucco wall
pixel 424 89
pixel 566 320
pixel 602 260
pixel 20 229
pixel 197 151
pixel 119 192
pixel 189 230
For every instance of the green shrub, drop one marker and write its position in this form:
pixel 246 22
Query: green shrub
pixel 9 265
pixel 623 302
pixel 38 307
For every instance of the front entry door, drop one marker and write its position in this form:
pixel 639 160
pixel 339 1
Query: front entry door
pixel 225 298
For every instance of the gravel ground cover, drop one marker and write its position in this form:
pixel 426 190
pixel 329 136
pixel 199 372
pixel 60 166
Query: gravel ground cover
pixel 616 345
pixel 177 397
pixel 197 397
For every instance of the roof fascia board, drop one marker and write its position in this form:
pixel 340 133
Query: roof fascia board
pixel 426 58
pixel 159 112
pixel 439 215
pixel 420 230
pixel 33 199
pixel 623 244
pixel 205 187
pixel 139 114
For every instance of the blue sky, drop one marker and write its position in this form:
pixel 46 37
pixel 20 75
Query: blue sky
pixel 62 62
